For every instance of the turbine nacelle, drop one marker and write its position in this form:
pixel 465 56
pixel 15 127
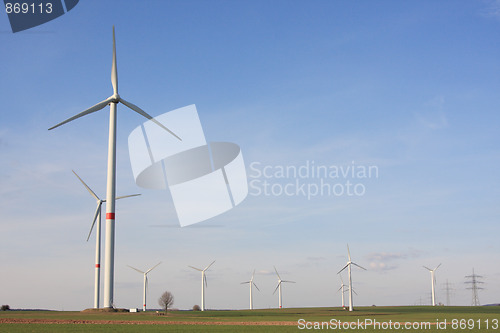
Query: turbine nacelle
pixel 251 281
pixel 431 270
pixel 99 202
pixel 115 98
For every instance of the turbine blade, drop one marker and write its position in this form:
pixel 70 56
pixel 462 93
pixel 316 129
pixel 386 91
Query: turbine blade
pixel 144 114
pixel 245 282
pixel 348 252
pixel 114 71
pixel 147 284
pixel 90 110
pixel 276 288
pixel 86 186
pixel 205 279
pixel 126 196
pixel 437 267
pixel 354 291
pixel 343 268
pixel 253 275
pixel 256 286
pixel 209 265
pixel 427 268
pixel 277 272
pixel 149 270
pixel 196 268
pixel 341 280
pixel 288 281
pixel 358 266
pixel 136 269
pixel 97 212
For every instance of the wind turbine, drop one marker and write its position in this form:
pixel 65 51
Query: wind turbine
pixel 97 217
pixel 342 290
pixel 251 283
pixel 113 101
pixel 145 283
pixel 203 283
pixel 348 266
pixel 433 282
pixel 278 287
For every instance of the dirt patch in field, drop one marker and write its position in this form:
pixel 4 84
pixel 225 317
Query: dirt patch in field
pixel 144 322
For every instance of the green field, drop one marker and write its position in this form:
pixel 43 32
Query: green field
pixel 388 319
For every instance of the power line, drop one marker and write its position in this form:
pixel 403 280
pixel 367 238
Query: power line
pixel 449 290
pixel 474 282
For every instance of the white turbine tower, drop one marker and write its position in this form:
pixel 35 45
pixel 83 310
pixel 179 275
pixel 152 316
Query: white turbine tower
pixel 145 283
pixel 113 101
pixel 203 283
pixel 348 266
pixel 278 287
pixel 251 283
pixel 97 217
pixel 433 283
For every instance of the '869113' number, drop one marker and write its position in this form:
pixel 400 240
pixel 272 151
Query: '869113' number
pixel 28 8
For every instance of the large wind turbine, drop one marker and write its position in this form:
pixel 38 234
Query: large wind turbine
pixel 97 217
pixel 113 101
pixel 348 266
pixel 251 283
pixel 433 283
pixel 145 283
pixel 278 287
pixel 203 283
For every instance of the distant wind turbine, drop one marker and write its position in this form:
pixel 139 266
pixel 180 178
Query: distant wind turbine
pixel 113 101
pixel 97 217
pixel 433 283
pixel 251 283
pixel 145 283
pixel 342 290
pixel 278 287
pixel 203 283
pixel 348 266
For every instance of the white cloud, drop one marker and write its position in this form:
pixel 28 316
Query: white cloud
pixel 385 261
pixel 492 9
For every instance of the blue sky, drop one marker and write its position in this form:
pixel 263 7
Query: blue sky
pixel 408 87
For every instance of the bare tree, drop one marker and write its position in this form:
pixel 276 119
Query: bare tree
pixel 166 300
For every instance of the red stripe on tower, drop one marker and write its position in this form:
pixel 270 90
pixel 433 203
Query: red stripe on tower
pixel 110 216
pixel 97 265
